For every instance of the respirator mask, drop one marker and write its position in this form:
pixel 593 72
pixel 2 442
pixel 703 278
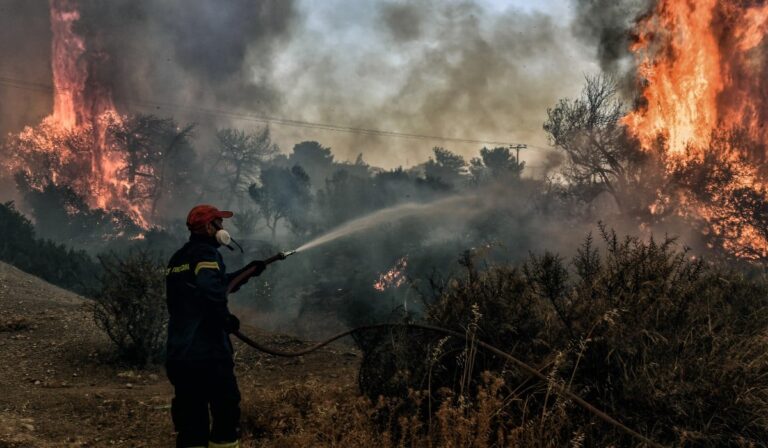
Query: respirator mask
pixel 225 239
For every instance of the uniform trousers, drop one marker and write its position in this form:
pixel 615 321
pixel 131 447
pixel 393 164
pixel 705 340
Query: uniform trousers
pixel 203 386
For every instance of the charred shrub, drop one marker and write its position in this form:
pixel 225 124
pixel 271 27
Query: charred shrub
pixel 130 307
pixel 669 345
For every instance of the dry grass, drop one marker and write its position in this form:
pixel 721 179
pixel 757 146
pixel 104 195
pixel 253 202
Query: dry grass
pixel 324 415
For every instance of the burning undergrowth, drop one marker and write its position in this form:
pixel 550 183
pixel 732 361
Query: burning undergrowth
pixel 394 277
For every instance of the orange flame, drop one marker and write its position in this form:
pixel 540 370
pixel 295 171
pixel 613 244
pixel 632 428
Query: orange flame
pixel 69 74
pixel 83 110
pixel 393 278
pixel 702 69
pixel 697 61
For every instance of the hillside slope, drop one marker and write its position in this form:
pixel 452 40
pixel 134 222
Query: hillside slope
pixel 59 386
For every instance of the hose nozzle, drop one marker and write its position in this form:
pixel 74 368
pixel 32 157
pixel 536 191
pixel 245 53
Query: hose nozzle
pixel 287 253
pixel 279 256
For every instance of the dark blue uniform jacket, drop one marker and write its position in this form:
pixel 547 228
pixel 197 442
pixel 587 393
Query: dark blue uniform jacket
pixel 196 287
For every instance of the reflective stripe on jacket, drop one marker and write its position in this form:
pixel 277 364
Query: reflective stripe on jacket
pixel 196 290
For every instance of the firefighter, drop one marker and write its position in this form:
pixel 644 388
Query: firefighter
pixel 199 353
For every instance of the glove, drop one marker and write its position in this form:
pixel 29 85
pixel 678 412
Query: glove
pixel 258 266
pixel 231 324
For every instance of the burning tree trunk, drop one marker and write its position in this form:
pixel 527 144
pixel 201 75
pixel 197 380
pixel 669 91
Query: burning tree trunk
pixel 702 69
pixel 600 156
pixel 146 143
pixel 69 71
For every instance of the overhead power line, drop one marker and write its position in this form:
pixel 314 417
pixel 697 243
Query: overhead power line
pixel 26 85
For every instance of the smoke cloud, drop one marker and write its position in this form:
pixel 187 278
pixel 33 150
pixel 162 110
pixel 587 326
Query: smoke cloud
pixel 25 53
pixel 453 68
pixel 606 26
pixel 188 52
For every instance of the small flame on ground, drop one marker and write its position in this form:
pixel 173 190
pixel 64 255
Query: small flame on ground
pixel 393 278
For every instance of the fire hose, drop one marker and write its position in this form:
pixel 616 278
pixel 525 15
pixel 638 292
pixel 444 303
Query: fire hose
pixel 558 388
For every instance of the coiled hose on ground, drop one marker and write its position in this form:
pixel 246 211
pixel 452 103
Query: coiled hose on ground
pixel 558 388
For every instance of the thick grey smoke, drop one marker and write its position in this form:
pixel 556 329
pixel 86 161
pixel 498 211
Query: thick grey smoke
pixel 203 53
pixel 403 21
pixel 455 68
pixel 25 54
pixel 607 26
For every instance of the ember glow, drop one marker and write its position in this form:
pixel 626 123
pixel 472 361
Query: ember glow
pixel 73 140
pixel 393 278
pixel 702 68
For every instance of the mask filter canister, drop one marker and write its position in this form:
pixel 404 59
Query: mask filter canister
pixel 223 237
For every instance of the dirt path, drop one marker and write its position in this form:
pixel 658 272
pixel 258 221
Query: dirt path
pixel 59 389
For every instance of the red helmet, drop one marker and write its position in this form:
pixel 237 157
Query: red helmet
pixel 201 215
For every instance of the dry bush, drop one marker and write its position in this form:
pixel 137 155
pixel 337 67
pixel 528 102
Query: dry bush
pixel 672 346
pixel 131 308
pixel 669 345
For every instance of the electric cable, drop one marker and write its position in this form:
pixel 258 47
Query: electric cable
pixel 26 85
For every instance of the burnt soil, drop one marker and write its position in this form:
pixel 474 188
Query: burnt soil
pixel 60 385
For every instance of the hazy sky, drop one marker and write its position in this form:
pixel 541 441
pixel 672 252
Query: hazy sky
pixel 482 70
